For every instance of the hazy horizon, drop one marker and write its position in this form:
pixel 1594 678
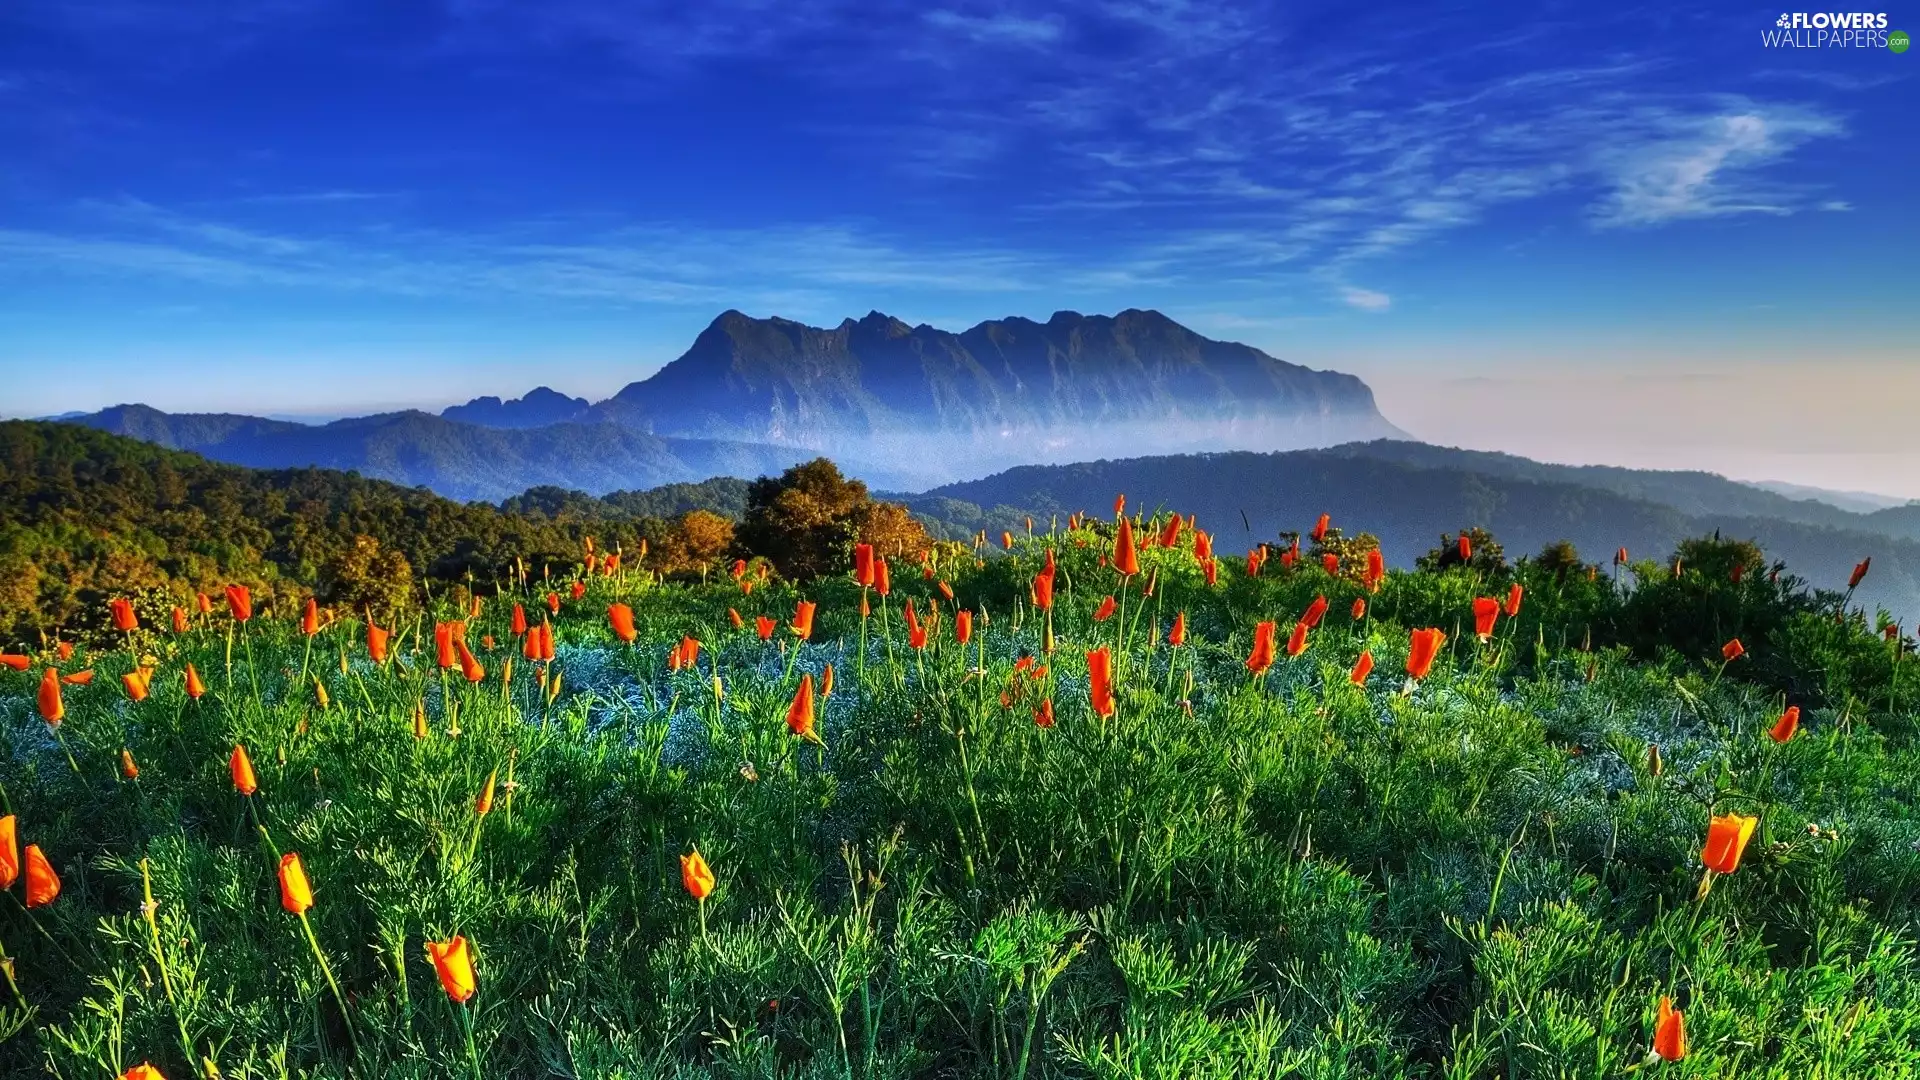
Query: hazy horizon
pixel 1634 238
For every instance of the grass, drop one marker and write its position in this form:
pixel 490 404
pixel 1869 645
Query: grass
pixel 1476 876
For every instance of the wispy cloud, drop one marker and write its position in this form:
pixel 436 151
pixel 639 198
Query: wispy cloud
pixel 1366 299
pixel 1704 165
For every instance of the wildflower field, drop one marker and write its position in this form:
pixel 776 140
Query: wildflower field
pixel 1090 800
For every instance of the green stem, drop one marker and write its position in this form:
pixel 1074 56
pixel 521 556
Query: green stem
pixel 327 970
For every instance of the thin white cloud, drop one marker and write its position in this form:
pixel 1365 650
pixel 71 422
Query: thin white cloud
pixel 999 27
pixel 1703 166
pixel 1365 299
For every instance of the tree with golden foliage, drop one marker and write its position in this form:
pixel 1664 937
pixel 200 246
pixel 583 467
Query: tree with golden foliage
pixel 806 521
pixel 693 544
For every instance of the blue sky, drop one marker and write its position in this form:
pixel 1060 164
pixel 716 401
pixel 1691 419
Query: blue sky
pixel 1534 228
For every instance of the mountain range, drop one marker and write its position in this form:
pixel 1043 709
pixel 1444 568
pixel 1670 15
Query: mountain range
pixel 901 406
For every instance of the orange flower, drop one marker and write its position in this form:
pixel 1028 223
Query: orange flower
pixel 52 709
pixel 195 687
pixel 142 1071
pixel 1202 545
pixel 696 876
pixel 1514 594
pixel 519 623
pixel 1485 610
pixel 241 766
pixel 1119 505
pixel 1043 716
pixel 553 603
pixel 826 683
pixel 78 678
pixel 802 624
pixel 1669 1032
pixel 470 666
pixel 1178 635
pixel 1466 548
pixel 123 616
pixel 1330 563
pixel 800 713
pixel 1100 680
pixel 764 626
pixel 1421 654
pixel 204 603
pixel 739 569
pixel 621 616
pixel 1125 559
pixel 1170 535
pixel 1211 570
pixel 127 768
pixel 1297 640
pixel 963 626
pixel 546 641
pixel 1359 610
pixel 136 683
pixel 882 584
pixel 1727 837
pixel 240 602
pixel 9 852
pixel 453 962
pixel 689 651
pixel 1253 563
pixel 443 644
pixel 1043 591
pixel 1620 557
pixel 42 883
pixel 484 804
pixel 1315 612
pixel 1362 668
pixel 1859 572
pixel 1732 651
pixel 863 565
pixel 296 892
pixel 310 619
pixel 1788 724
pixel 179 619
pixel 377 642
pixel 16 661
pixel 1261 658
pixel 1107 607
pixel 1376 570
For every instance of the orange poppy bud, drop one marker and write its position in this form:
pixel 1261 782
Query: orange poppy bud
pixel 546 641
pixel 1043 591
pixel 310 618
pixel 1359 610
pixel 296 892
pixel 123 616
pixel 1732 651
pixel 1261 658
pixel 1514 595
pixel 802 625
pixel 1315 612
pixel 1362 668
pixel 1466 548
pixel 240 602
pixel 453 962
pixel 696 876
pixel 1100 680
pixel 1211 571
pixel 1669 1032
pixel 9 851
pixel 553 603
pixel 963 626
pixel 1727 837
pixel 882 582
pixel 52 709
pixel 195 687
pixel 1297 641
pixel 578 590
pixel 1859 572
pixel 470 666
pixel 1178 635
pixel 863 565
pixel 127 768
pixel 733 617
pixel 1376 569
pixel 419 719
pixel 621 617
pixel 1119 505
pixel 1106 610
pixel 1202 545
pixel 204 603
pixel 42 883
pixel 1485 610
pixel 1006 540
pixel 1788 723
pixel 179 620
pixel 800 712
pixel 519 624
pixel 443 645
pixel 1423 651
pixel 484 804
pixel 241 766
pixel 1125 558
